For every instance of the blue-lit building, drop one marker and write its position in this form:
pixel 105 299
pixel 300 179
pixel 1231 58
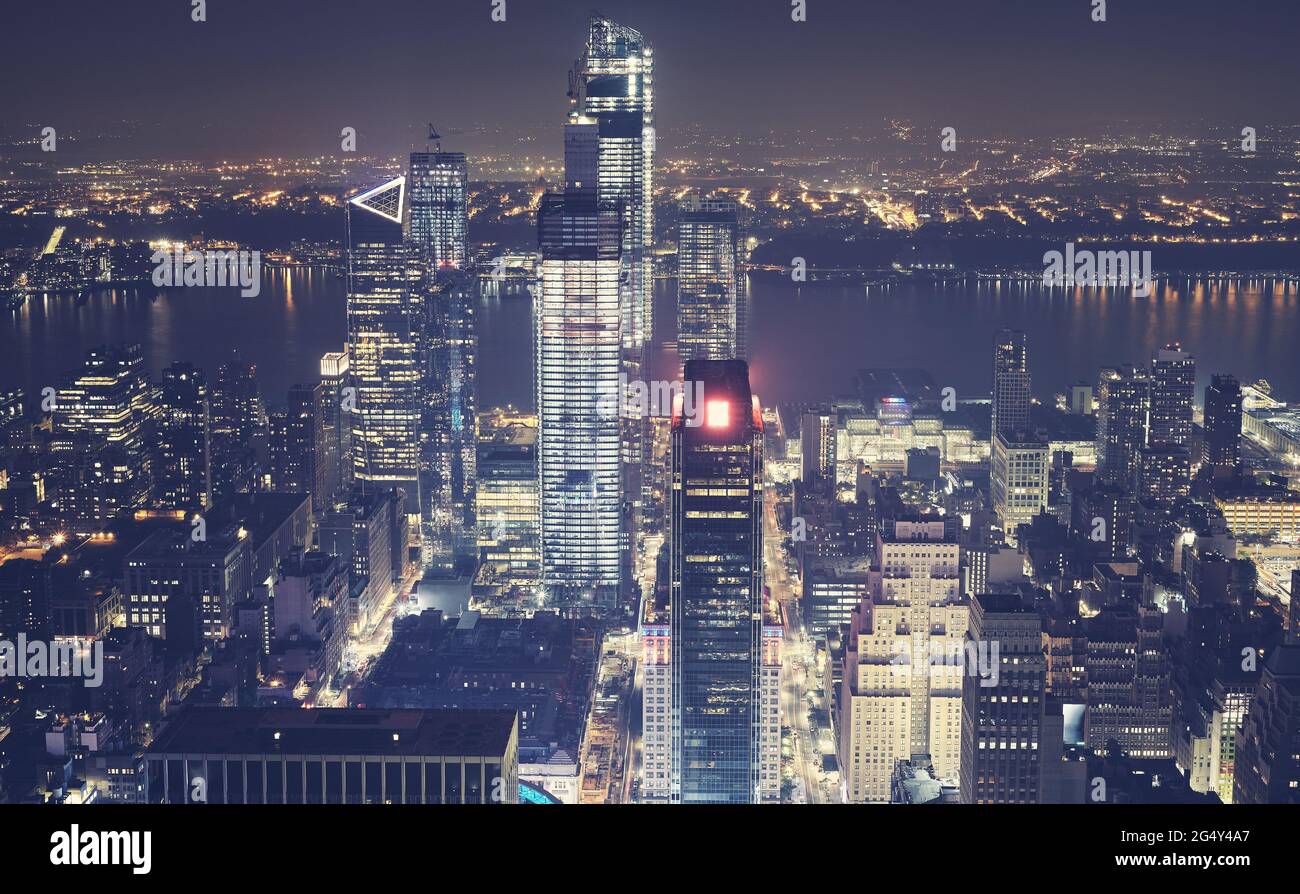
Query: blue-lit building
pixel 716 602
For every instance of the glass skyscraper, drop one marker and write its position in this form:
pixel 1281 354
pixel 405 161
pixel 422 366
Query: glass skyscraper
pixel 182 448
pixel 710 315
pixel 576 314
pixel 716 600
pixel 613 84
pixel 384 312
pixel 439 184
pixel 448 407
pixel 611 89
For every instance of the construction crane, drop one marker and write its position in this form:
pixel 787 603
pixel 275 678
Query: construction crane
pixel 435 138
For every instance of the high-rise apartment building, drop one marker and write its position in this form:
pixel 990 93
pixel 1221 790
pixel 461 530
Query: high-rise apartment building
pixel 1221 447
pixel 1123 404
pixel 336 453
pixel 817 443
pixel 1018 478
pixel 1011 382
pixel 237 415
pixel 297 440
pixel 896 701
pixel 1164 474
pixel 1173 391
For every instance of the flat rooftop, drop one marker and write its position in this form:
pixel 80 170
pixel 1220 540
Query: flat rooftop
pixel 337 731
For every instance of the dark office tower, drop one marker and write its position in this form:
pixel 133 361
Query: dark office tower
pixel 817 443
pixel 1010 382
pixel 1173 388
pixel 1221 448
pixel 297 438
pixel 613 85
pixel 1164 475
pixel 1003 695
pixel 576 314
pixel 439 187
pixel 711 322
pixel 25 590
pixel 1268 745
pixel 235 409
pixel 336 425
pixel 717 582
pixel 1102 516
pixel 1123 402
pixel 183 449
pixel 110 404
pixel 385 319
pixel 448 407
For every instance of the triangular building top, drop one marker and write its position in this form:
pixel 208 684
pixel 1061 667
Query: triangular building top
pixel 385 200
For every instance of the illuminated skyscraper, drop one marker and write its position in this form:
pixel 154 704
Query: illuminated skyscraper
pixel 1010 382
pixel 384 308
pixel 611 89
pixel 1018 478
pixel 336 454
pixel 613 84
pixel 109 403
pixel 1123 403
pixel 576 313
pixel 296 445
pixel 506 497
pixel 817 442
pixel 237 415
pixel 1173 388
pixel 716 602
pixel 711 321
pixel 449 348
pixel 182 449
pixel 439 222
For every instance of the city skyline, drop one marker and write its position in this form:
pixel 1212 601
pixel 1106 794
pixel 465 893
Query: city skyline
pixel 880 459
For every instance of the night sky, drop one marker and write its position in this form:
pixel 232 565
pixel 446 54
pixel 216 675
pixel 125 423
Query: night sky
pixel 285 75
